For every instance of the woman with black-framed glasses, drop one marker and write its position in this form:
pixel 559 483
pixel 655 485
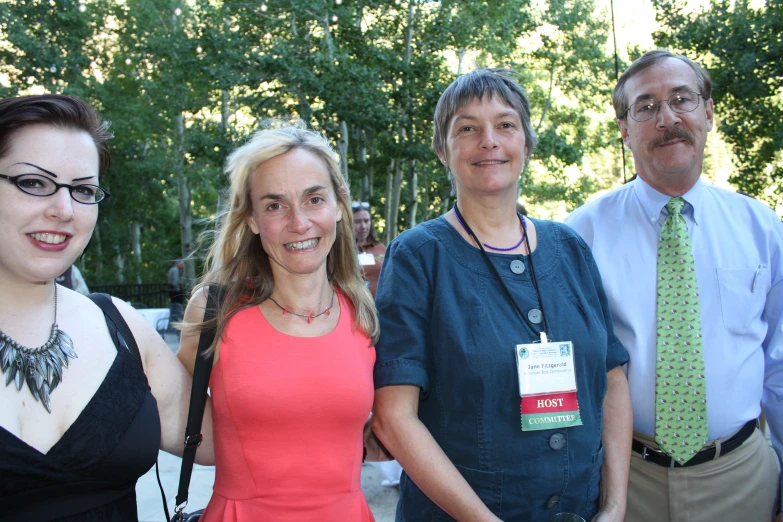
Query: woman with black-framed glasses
pixel 80 421
pixel 41 185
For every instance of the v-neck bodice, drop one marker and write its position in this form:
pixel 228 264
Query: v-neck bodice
pixel 112 442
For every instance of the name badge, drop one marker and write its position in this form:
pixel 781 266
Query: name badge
pixel 547 386
pixel 366 259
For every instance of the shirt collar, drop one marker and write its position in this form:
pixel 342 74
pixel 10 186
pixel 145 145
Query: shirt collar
pixel 653 202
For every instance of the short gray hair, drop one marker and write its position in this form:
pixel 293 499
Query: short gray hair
pixel 648 59
pixel 475 86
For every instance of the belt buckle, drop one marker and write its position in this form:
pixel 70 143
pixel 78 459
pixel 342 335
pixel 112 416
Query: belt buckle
pixel 647 449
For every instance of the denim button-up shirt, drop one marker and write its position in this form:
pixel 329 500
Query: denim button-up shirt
pixel 448 327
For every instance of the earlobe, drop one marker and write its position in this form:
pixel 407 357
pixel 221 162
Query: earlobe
pixel 442 159
pixel 252 224
pixel 624 132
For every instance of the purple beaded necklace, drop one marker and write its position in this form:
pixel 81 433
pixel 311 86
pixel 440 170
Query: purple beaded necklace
pixel 521 219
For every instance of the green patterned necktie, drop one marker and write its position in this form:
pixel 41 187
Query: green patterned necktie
pixel 680 396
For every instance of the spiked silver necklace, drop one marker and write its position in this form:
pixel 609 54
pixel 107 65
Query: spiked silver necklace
pixel 42 367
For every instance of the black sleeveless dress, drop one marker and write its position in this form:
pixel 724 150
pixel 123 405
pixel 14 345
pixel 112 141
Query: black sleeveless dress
pixel 90 473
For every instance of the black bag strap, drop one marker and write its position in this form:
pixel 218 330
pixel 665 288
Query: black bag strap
pixel 198 398
pixel 104 302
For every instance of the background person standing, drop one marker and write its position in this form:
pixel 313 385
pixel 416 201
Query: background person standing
pixel 174 282
pixel 174 286
pixel 371 251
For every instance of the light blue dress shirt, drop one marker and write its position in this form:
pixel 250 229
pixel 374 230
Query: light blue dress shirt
pixel 738 251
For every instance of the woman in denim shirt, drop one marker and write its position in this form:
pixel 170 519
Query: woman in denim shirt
pixel 456 296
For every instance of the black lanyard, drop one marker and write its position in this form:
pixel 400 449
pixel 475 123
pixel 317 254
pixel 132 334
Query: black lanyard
pixel 502 283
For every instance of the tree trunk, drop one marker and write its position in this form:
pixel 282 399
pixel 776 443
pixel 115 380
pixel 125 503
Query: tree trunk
pixel 388 213
pixel 361 159
pixel 370 171
pixel 119 262
pixel 96 235
pixel 327 37
pixel 414 181
pixel 224 111
pixel 426 212
pixel 292 21
pixel 394 202
pixel 342 148
pixel 183 193
pixel 136 247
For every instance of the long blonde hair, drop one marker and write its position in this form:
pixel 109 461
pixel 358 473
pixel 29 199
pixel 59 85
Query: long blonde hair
pixel 237 262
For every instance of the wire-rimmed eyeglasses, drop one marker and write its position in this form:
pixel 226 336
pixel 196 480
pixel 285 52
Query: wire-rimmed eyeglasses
pixel 41 186
pixel 679 102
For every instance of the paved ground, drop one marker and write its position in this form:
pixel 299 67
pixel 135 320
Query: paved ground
pixel 382 500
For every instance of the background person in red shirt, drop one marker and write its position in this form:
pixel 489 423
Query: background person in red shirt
pixel 371 251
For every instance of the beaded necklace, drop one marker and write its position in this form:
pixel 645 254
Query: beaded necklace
pixel 309 317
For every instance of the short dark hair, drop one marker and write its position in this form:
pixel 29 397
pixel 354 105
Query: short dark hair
pixel 57 110
pixel 648 59
pixel 475 86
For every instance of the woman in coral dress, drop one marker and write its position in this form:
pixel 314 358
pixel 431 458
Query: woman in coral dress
pixel 292 380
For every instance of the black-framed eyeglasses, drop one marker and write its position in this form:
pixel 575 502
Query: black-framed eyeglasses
pixel 41 186
pixel 360 205
pixel 679 102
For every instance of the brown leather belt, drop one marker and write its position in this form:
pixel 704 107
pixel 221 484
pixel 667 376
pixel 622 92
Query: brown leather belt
pixel 657 456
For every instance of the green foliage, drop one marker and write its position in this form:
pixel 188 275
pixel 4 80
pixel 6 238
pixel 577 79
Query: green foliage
pixel 741 47
pixel 373 67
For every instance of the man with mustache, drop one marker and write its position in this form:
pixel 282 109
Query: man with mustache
pixel 694 277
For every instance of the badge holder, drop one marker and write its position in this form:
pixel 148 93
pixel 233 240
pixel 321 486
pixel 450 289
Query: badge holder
pixel 366 259
pixel 547 385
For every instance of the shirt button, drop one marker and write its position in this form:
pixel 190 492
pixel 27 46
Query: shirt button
pixel 553 501
pixel 557 441
pixel 517 266
pixel 535 316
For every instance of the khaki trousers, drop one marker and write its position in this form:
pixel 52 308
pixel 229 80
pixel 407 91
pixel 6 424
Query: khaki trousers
pixel 739 487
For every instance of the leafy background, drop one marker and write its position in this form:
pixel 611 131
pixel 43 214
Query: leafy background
pixel 186 81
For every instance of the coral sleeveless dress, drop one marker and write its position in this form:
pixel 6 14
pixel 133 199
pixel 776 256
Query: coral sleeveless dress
pixel 288 414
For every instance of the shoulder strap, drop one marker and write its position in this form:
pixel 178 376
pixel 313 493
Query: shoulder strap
pixel 104 302
pixel 198 396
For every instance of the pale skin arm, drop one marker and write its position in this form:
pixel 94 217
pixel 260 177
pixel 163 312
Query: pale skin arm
pixel 397 425
pixel 170 385
pixel 616 435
